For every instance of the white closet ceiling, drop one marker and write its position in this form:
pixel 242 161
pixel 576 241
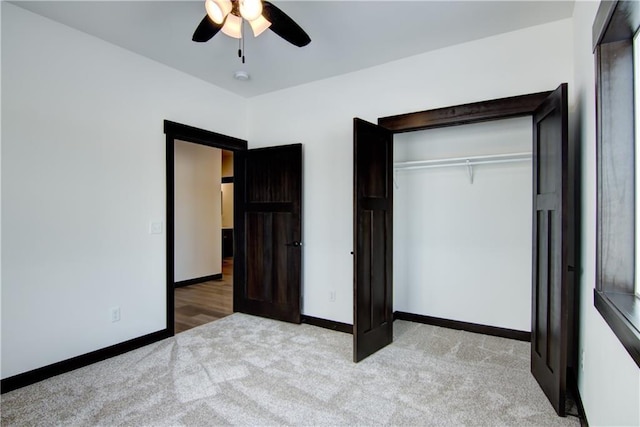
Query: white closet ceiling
pixel 346 35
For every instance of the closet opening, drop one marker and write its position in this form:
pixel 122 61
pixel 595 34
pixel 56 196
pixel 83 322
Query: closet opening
pixel 462 225
pixel 553 196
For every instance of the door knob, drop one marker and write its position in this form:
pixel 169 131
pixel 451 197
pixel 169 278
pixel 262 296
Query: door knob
pixel 295 244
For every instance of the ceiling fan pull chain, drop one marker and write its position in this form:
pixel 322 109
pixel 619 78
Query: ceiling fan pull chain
pixel 242 39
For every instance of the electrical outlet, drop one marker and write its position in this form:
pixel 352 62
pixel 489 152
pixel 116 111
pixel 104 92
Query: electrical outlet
pixel 332 296
pixel 115 314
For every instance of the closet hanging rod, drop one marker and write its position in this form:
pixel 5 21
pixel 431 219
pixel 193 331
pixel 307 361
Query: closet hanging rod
pixel 464 161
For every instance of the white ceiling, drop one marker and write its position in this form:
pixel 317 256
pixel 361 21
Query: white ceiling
pixel 345 35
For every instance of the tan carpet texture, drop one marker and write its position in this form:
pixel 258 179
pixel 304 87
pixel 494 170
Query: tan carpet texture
pixel 251 371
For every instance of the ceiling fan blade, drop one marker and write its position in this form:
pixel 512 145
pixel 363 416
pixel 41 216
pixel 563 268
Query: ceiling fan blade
pixel 206 29
pixel 284 26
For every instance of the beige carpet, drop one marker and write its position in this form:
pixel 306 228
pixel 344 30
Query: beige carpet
pixel 252 371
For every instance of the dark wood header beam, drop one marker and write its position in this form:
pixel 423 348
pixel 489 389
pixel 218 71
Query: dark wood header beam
pixel 204 137
pixel 496 109
pixel 615 21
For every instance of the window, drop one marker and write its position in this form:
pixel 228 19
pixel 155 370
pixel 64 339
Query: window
pixel 618 171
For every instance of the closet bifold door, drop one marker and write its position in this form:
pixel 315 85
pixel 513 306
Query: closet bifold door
pixel 373 238
pixel 552 275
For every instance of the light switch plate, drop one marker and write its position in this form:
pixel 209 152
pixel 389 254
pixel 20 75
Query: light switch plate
pixel 115 314
pixel 155 227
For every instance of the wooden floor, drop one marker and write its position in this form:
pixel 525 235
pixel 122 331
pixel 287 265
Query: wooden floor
pixel 204 302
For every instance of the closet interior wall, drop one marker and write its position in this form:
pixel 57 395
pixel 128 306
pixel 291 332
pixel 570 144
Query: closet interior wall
pixel 462 244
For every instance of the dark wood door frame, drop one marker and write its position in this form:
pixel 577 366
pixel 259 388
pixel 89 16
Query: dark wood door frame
pixel 176 131
pixel 484 111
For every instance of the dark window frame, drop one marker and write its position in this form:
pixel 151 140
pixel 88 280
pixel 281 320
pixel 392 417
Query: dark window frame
pixel 614 27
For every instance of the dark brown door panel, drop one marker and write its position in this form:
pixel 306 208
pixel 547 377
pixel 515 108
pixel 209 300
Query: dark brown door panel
pixel 273 224
pixel 373 257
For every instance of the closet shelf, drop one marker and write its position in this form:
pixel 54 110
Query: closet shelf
pixel 463 161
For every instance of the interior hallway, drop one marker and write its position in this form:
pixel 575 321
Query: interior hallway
pixel 204 302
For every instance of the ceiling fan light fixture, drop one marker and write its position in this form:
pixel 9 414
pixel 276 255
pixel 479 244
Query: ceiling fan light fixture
pixel 259 25
pixel 217 10
pixel 233 26
pixel 250 9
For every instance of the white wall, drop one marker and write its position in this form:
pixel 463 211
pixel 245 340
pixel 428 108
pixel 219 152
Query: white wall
pixel 83 174
pixel 462 250
pixel 198 206
pixel 0 191
pixel 609 382
pixel 319 116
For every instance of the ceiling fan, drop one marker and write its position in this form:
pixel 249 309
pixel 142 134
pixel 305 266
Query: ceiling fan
pixel 228 16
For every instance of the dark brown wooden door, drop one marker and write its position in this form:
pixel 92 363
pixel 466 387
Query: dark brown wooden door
pixel 552 279
pixel 373 238
pixel 273 233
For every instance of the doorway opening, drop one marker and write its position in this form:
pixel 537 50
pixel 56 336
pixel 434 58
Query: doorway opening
pixel 204 225
pixel 203 216
pixel 267 224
